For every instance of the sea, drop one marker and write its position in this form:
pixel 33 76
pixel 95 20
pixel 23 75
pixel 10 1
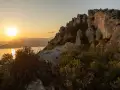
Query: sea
pixel 13 50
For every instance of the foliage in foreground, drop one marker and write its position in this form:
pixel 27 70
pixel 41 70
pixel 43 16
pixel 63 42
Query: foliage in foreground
pixel 86 70
pixel 91 70
pixel 22 70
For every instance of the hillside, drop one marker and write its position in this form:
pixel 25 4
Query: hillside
pixel 86 52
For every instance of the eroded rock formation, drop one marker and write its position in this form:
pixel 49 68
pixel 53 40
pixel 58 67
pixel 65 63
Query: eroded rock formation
pixel 69 32
pixel 99 24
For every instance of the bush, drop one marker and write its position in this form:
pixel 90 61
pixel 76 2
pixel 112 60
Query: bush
pixel 5 66
pixel 26 68
pixel 90 70
pixel 78 69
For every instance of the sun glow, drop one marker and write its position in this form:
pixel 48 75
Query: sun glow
pixel 11 31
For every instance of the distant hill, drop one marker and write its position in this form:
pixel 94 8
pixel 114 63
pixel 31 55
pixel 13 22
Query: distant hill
pixel 32 42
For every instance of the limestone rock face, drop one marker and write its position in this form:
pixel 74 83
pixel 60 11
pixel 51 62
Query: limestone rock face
pixel 106 23
pixel 101 22
pixel 104 20
pixel 99 25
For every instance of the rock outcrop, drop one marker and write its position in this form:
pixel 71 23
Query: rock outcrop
pixel 99 24
pixel 69 32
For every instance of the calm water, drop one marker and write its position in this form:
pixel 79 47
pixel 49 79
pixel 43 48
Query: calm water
pixel 13 50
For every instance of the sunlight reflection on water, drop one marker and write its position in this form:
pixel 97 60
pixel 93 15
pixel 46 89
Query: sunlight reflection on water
pixel 13 51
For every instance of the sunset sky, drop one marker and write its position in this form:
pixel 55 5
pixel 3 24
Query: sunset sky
pixel 42 18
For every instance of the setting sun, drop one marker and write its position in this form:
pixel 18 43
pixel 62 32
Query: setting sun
pixel 11 31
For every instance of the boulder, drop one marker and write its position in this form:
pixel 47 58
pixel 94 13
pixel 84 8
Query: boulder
pixel 36 85
pixel 98 35
pixel 90 33
pixel 69 46
pixel 51 56
pixel 116 34
pixel 78 38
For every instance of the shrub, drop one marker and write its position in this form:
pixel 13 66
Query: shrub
pixel 90 70
pixel 26 68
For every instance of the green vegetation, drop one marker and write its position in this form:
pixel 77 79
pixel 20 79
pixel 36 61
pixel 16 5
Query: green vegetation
pixel 16 74
pixel 77 70
pixel 91 70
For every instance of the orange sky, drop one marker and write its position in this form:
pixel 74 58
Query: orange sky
pixel 36 18
pixel 27 29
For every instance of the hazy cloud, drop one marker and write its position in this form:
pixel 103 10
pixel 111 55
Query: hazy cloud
pixel 52 32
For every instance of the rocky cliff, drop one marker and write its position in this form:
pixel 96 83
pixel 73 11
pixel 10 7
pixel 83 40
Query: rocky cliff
pixel 68 33
pixel 99 24
pixel 100 28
